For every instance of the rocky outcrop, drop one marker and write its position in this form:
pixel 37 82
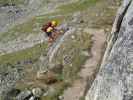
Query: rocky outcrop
pixel 9 74
pixel 115 78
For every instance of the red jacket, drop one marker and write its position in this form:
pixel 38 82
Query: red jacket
pixel 46 26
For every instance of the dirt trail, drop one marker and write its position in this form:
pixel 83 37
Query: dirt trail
pixel 89 68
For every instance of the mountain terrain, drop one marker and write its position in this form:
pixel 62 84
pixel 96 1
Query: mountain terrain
pixel 30 69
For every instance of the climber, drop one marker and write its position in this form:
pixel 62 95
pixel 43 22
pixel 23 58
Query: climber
pixel 50 30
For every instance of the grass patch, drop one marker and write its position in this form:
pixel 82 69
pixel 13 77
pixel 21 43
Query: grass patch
pixel 3 2
pixel 31 54
pixel 73 50
pixel 82 98
pixel 76 6
pixel 71 56
pixel 59 88
pixel 48 17
pixel 32 26
pixel 18 30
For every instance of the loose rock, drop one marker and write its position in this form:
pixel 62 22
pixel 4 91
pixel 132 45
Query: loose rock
pixel 37 92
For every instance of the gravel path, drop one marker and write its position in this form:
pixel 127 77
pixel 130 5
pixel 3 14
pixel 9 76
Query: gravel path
pixel 89 68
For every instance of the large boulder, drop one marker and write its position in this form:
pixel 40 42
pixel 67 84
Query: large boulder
pixel 115 78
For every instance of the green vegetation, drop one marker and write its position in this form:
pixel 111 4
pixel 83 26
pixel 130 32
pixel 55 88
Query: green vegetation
pixel 2 2
pixel 77 6
pixel 32 54
pixel 71 54
pixel 45 18
pixel 19 30
pixel 30 27
pixel 59 88
pixel 33 25
pixel 82 98
pixel 72 49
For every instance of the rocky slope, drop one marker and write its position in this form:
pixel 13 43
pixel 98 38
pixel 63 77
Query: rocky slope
pixel 114 81
pixel 31 70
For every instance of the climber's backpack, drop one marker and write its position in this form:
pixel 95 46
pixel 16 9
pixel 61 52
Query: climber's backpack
pixel 45 27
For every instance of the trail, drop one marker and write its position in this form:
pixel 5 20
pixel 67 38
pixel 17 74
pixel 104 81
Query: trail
pixel 88 71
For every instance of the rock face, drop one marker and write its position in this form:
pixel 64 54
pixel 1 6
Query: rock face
pixel 115 78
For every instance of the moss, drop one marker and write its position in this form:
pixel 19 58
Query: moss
pixel 31 54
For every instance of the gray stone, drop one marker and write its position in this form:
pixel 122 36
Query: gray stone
pixel 60 97
pixel 115 78
pixel 131 22
pixel 24 95
pixel 8 76
pixel 37 92
pixel 32 98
